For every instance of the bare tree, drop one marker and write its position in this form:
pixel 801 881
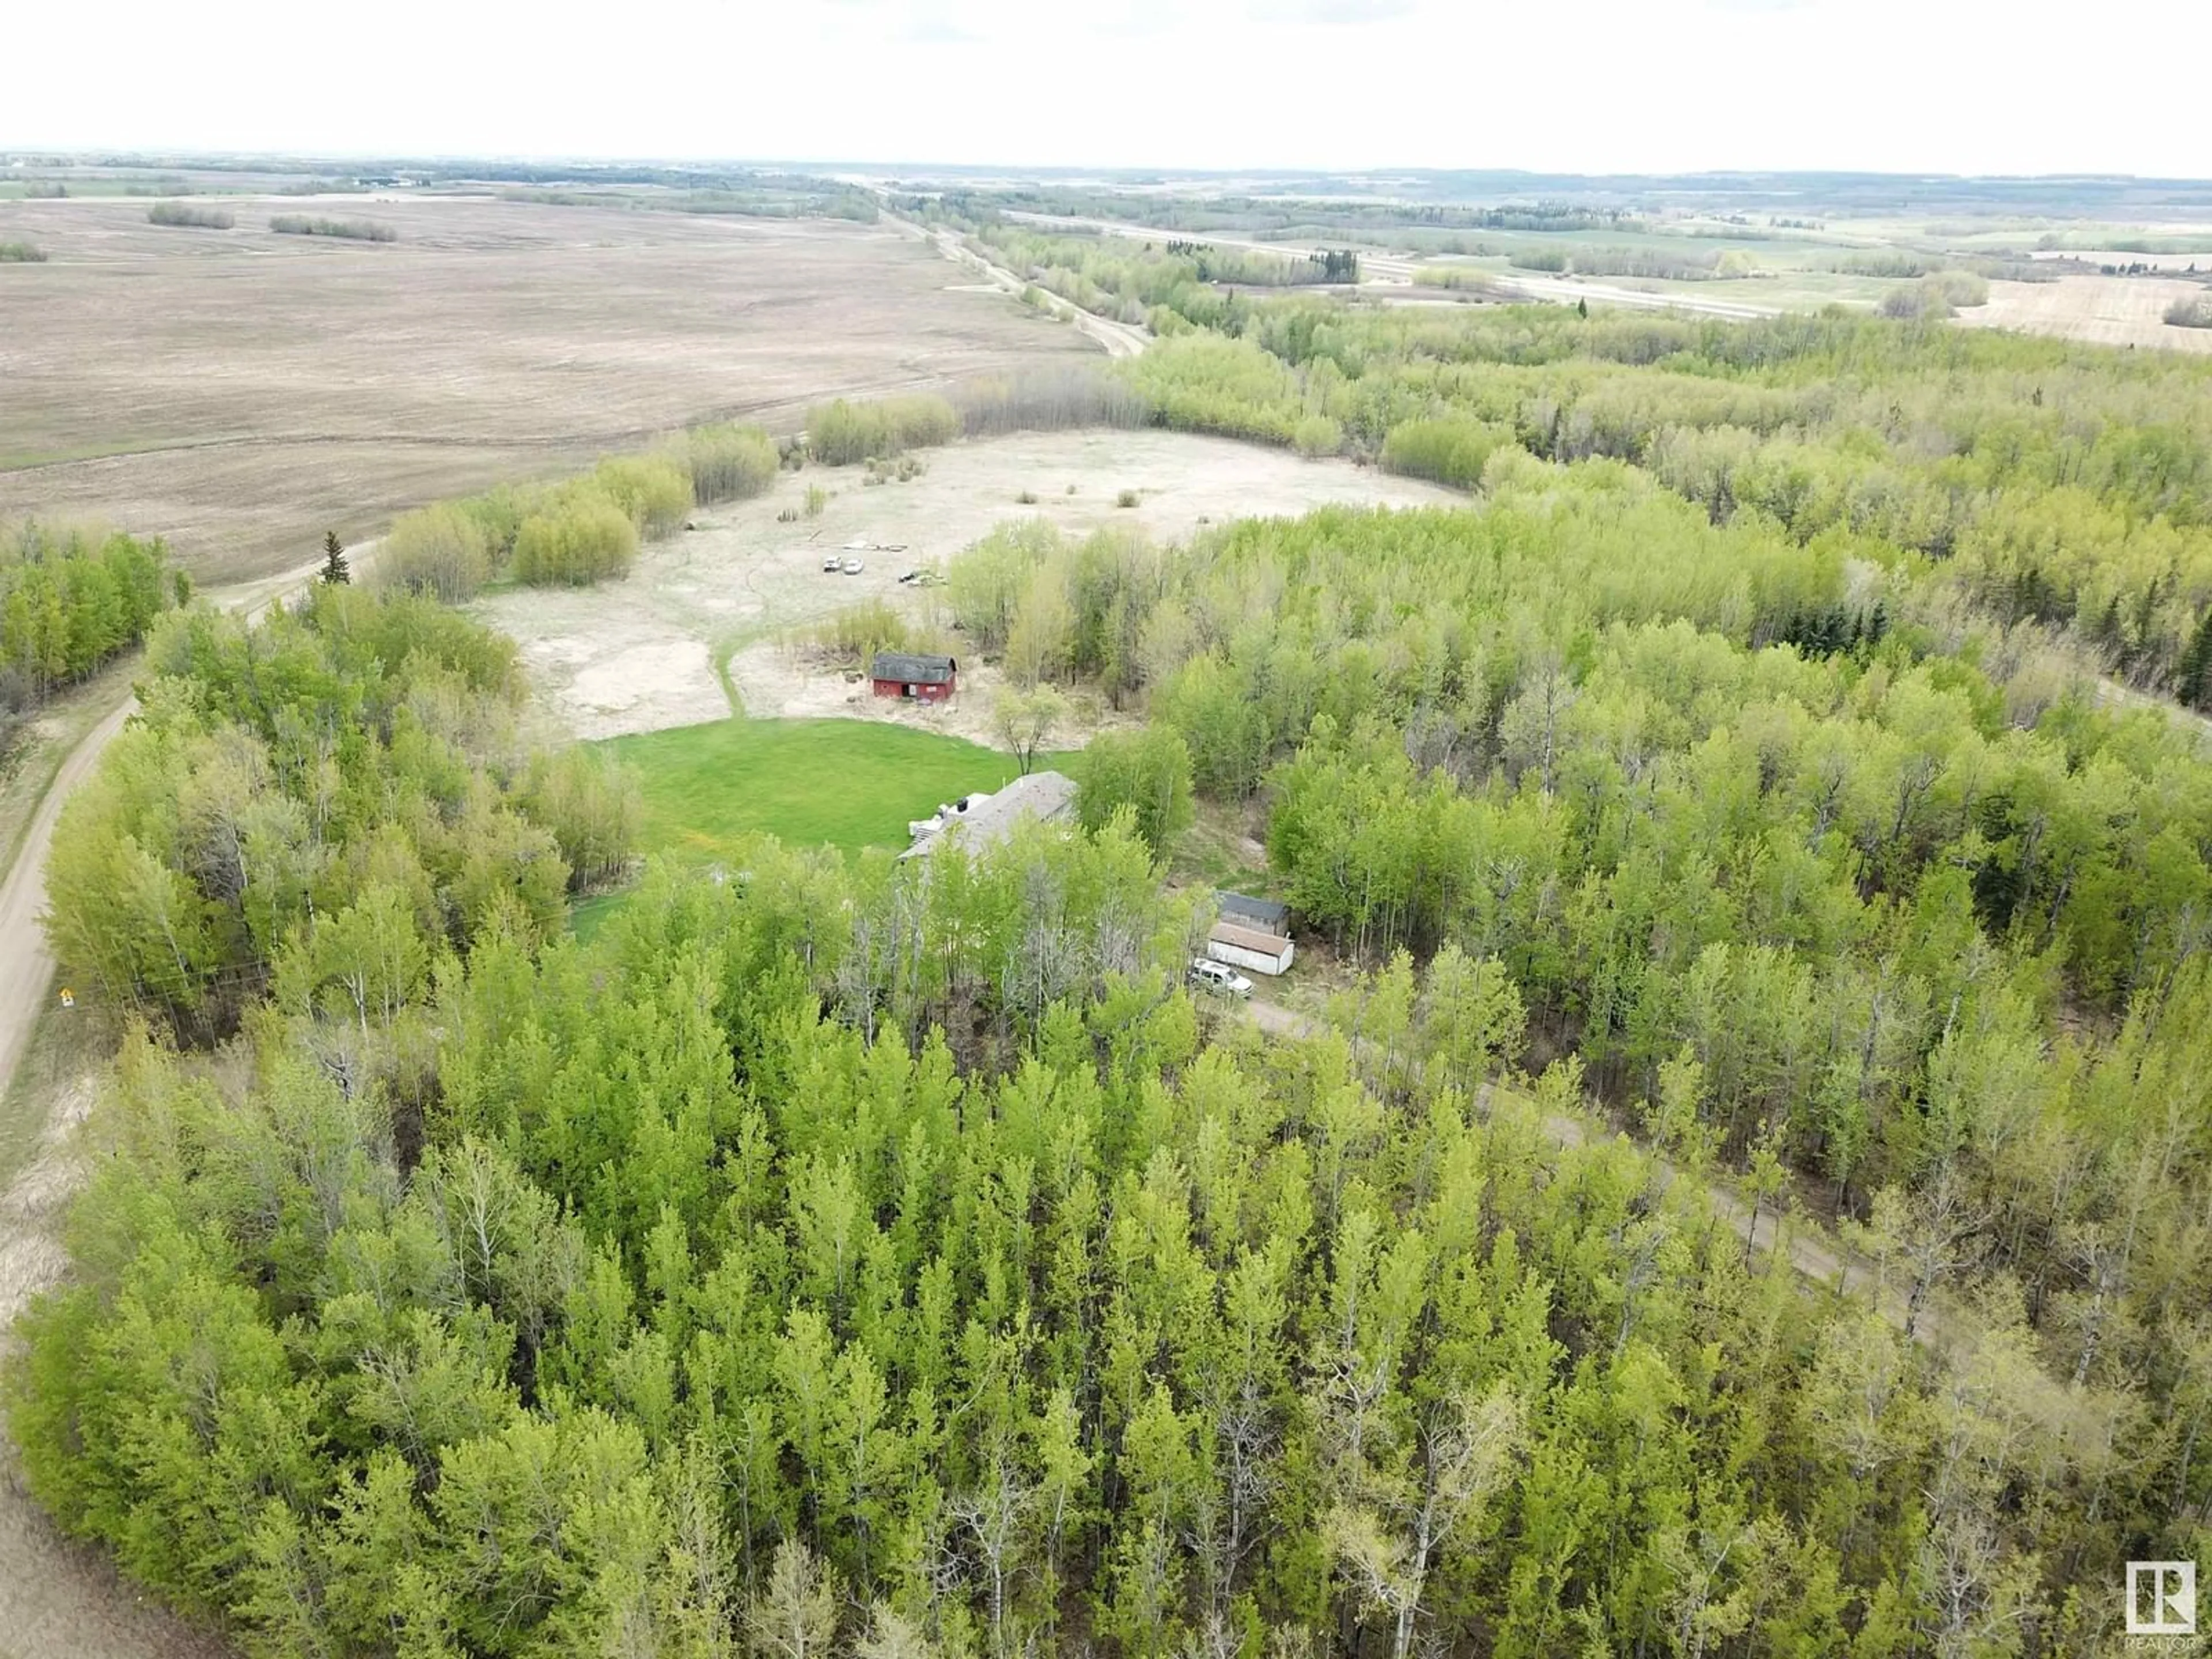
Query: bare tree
pixel 1388 1529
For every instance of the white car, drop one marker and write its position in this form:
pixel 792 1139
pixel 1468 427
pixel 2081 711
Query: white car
pixel 833 564
pixel 854 566
pixel 1208 975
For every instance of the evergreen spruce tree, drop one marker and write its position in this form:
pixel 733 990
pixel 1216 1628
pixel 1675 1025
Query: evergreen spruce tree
pixel 335 569
pixel 2193 679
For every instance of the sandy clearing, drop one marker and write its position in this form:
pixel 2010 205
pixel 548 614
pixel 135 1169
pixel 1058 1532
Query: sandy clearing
pixel 2119 311
pixel 637 655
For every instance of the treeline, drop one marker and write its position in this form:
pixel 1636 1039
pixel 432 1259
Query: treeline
pixel 1251 268
pixel 353 230
pixel 1942 293
pixel 2064 484
pixel 581 531
pixel 183 214
pixel 327 804
pixel 840 433
pixel 665 1310
pixel 70 603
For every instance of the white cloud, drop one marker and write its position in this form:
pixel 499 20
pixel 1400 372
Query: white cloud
pixel 1609 85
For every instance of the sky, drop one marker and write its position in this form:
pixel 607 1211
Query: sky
pixel 1953 86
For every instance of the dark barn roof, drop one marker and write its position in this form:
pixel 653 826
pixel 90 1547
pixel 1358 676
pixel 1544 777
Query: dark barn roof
pixel 1266 912
pixel 913 669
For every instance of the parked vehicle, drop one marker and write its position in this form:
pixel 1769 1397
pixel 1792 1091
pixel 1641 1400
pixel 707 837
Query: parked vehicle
pixel 1208 975
pixel 833 564
pixel 854 566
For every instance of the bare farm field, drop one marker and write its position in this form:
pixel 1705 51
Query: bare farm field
pixel 239 392
pixel 2117 310
pixel 647 653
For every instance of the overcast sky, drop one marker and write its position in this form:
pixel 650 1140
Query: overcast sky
pixel 1966 86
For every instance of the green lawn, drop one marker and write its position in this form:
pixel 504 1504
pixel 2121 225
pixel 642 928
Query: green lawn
pixel 850 783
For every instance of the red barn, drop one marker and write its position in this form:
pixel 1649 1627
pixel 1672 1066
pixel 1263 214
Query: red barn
pixel 925 678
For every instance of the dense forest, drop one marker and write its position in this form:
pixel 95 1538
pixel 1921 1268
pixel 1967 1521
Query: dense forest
pixel 311 807
pixel 2064 485
pixel 69 604
pixel 895 1259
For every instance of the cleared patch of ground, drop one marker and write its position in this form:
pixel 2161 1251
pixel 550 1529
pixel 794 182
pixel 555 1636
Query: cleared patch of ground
pixel 641 654
pixel 241 392
pixel 2116 311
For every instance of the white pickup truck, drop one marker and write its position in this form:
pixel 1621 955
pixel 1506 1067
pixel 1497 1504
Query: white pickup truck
pixel 1208 975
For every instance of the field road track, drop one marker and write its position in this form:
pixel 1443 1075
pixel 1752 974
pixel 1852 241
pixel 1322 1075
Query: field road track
pixel 60 1600
pixel 1119 339
pixel 1831 1267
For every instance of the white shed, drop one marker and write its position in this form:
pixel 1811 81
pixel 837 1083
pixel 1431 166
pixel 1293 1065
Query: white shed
pixel 1249 947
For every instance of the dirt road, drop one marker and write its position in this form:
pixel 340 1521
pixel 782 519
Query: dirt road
pixel 1119 339
pixel 56 1598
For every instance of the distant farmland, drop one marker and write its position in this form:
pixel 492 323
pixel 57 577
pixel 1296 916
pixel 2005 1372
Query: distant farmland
pixel 240 394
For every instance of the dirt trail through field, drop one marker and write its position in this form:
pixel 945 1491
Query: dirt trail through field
pixel 1119 339
pixel 58 1598
pixel 1832 1266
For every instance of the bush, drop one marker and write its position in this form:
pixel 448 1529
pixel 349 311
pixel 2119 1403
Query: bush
pixel 1126 498
pixel 442 551
pixel 21 253
pixel 1450 451
pixel 1317 435
pixel 582 536
pixel 654 492
pixel 817 499
pixel 728 463
pixel 858 632
pixel 2190 313
pixel 841 432
pixel 1937 295
pixel 1459 278
pixel 499 512
pixel 1538 259
pixel 1027 498
pixel 1145 772
pixel 353 230
pixel 176 212
pixel 1204 383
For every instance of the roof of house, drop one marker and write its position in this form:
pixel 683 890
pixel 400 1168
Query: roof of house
pixel 1243 907
pixel 979 821
pixel 913 668
pixel 1249 938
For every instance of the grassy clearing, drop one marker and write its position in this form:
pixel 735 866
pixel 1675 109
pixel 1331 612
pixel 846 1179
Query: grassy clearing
pixel 1219 850
pixel 848 784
